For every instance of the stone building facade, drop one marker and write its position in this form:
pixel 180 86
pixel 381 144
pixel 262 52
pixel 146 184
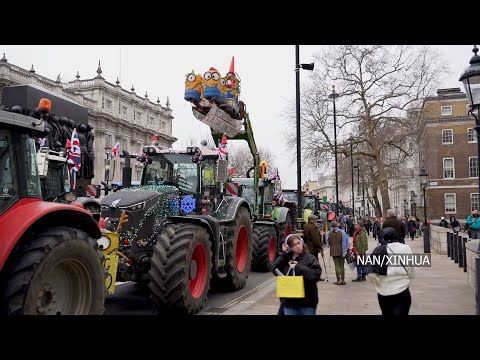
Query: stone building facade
pixel 449 152
pixel 116 114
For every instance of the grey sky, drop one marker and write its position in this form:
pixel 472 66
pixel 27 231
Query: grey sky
pixel 266 71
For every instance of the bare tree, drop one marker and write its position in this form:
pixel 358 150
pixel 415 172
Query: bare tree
pixel 379 87
pixel 240 158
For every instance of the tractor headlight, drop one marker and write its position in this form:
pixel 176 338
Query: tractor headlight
pixel 135 207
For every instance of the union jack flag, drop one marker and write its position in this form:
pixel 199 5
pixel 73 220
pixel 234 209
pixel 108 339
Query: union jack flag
pixel 116 150
pixel 75 159
pixel 222 148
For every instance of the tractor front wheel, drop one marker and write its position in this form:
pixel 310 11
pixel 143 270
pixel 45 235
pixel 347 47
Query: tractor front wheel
pixel 58 272
pixel 264 247
pixel 181 268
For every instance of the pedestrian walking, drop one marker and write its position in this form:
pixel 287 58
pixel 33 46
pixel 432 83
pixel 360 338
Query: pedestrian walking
pixel 454 224
pixel 312 237
pixel 392 282
pixel 473 223
pixel 360 244
pixel 394 222
pixel 412 228
pixel 338 240
pixel 297 258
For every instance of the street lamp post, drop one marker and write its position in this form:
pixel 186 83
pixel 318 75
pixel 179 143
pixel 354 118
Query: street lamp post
pixel 298 66
pixel 426 227
pixel 333 96
pixel 357 166
pixel 405 205
pixel 413 198
pixel 351 166
pixel 107 149
pixel 471 82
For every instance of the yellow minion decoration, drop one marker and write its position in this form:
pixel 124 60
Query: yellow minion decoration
pixel 193 87
pixel 214 86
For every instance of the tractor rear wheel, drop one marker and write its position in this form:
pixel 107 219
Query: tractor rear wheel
pixel 181 268
pixel 264 247
pixel 238 250
pixel 58 272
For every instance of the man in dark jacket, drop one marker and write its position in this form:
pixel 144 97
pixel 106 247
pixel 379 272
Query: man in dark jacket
pixel 394 222
pixel 312 237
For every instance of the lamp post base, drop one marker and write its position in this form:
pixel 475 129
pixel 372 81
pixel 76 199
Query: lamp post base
pixel 426 239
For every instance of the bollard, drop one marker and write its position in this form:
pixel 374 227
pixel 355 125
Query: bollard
pixel 455 251
pixel 460 250
pixel 449 244
pixel 464 241
pixel 426 239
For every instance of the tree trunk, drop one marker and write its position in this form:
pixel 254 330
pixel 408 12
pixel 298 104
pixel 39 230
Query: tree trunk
pixel 383 185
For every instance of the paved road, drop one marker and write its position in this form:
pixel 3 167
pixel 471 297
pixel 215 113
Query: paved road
pixel 131 299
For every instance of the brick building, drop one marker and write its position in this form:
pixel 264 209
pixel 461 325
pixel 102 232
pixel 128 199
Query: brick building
pixel 449 151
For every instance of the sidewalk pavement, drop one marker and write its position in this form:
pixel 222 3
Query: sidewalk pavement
pixel 442 289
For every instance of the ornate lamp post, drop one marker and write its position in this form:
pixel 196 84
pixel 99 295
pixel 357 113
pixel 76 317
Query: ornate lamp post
pixel 333 96
pixel 426 227
pixel 471 82
pixel 351 139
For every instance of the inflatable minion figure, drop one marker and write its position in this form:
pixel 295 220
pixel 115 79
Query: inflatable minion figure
pixel 193 87
pixel 214 86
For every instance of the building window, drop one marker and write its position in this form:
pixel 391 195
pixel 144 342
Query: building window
pixel 108 104
pixel 447 136
pixel 474 205
pixel 448 168
pixel 446 110
pixel 151 120
pixel 473 167
pixel 163 126
pixel 472 136
pixel 451 203
pixel 139 116
pixel 108 140
pixel 124 110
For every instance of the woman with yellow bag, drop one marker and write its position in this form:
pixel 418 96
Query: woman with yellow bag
pixel 297 291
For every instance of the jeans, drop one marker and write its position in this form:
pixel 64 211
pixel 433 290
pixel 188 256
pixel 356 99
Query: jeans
pixel 360 271
pixel 299 311
pixel 474 234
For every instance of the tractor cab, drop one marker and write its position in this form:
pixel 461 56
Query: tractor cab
pixel 18 166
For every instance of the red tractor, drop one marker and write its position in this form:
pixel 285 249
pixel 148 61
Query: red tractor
pixel 49 260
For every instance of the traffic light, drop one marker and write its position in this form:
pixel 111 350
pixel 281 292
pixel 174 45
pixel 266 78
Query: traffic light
pixel 123 220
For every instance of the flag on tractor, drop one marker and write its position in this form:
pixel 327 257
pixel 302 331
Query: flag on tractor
pixel 75 159
pixel 222 148
pixel 116 150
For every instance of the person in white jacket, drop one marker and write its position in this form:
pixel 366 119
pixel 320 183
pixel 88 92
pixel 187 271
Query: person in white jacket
pixel 392 282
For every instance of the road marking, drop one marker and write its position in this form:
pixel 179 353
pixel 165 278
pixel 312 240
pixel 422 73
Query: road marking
pixel 248 293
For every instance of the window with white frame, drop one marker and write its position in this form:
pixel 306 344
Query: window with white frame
pixel 446 110
pixel 471 135
pixel 473 167
pixel 447 136
pixel 108 104
pixel 448 168
pixel 450 203
pixel 474 204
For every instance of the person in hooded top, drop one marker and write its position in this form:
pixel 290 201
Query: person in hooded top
pixel 443 222
pixel 392 282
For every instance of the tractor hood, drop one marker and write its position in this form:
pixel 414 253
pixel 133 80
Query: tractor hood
pixel 135 195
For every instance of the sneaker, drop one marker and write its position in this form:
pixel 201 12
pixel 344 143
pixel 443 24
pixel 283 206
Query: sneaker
pixel 364 278
pixel 343 283
pixel 357 279
pixel 338 282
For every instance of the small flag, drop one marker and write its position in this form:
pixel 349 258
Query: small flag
pixel 222 148
pixel 75 158
pixel 116 150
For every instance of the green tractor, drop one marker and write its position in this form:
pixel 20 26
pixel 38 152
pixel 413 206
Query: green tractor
pixel 272 222
pixel 182 230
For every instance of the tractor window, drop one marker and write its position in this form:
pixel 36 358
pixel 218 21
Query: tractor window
pixel 185 175
pixel 31 168
pixel 310 203
pixel 8 173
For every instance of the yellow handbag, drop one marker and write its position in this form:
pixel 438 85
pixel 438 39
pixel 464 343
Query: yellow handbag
pixel 290 286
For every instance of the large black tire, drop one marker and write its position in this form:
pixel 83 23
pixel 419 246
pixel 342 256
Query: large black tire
pixel 285 229
pixel 239 251
pixel 181 268
pixel 264 247
pixel 59 271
